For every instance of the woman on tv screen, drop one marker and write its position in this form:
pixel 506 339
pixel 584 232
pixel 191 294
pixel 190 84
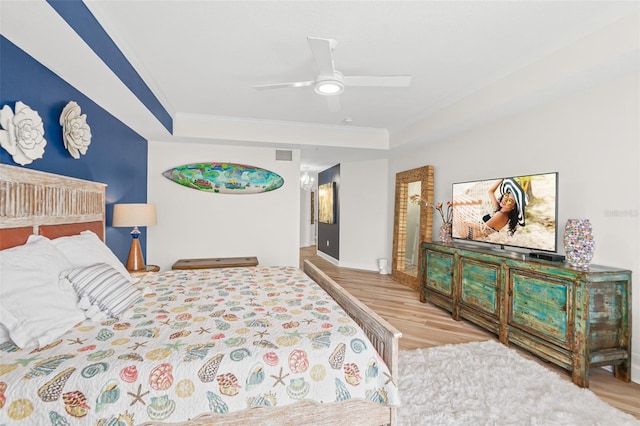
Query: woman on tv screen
pixel 494 211
pixel 508 209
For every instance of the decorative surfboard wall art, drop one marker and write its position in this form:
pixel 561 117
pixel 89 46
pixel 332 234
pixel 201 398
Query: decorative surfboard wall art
pixel 225 178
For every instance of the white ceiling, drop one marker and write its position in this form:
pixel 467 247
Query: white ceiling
pixel 203 57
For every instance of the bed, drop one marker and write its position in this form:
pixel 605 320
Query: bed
pixel 259 345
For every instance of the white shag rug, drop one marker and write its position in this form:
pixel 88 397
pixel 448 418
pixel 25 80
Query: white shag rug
pixel 486 383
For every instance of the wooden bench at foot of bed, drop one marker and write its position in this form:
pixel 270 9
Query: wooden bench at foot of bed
pixel 303 413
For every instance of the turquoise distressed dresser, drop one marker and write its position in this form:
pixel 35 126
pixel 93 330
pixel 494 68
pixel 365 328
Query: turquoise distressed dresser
pixel 574 318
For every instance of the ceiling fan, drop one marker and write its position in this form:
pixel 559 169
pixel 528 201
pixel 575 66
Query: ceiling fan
pixel 330 82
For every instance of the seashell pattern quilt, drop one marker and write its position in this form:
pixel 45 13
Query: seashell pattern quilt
pixel 201 341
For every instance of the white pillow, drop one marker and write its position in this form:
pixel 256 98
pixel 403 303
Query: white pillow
pixel 103 287
pixel 33 308
pixel 87 249
pixel 4 334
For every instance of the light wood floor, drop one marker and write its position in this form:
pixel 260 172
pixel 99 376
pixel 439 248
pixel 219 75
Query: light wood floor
pixel 424 325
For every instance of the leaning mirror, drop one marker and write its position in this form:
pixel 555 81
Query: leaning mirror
pixel 412 223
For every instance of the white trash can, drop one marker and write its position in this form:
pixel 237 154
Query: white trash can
pixel 382 266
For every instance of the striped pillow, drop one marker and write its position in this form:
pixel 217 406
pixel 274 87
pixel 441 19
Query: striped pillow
pixel 104 287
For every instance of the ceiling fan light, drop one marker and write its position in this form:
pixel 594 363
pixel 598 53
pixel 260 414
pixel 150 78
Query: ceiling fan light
pixel 329 87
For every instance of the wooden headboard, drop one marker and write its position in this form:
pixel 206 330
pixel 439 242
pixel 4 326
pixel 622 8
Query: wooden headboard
pixel 34 202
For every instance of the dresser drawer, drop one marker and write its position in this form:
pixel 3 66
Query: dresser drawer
pixel 439 273
pixel 541 306
pixel 480 286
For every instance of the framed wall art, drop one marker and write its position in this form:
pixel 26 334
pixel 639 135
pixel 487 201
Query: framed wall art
pixel 326 203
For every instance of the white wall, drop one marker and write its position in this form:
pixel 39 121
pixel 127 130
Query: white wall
pixel 198 224
pixel 364 189
pixel 592 138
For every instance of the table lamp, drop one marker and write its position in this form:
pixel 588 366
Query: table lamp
pixel 134 215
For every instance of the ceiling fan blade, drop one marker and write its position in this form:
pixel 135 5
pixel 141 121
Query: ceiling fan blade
pixel 321 49
pixel 284 85
pixel 380 81
pixel 334 103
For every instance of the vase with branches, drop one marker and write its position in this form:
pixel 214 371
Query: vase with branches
pixel 447 221
pixel 446 214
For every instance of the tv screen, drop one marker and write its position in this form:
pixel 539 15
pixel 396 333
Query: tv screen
pixel 516 211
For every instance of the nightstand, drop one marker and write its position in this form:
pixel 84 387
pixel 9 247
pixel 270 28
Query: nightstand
pixel 147 269
pixel 215 262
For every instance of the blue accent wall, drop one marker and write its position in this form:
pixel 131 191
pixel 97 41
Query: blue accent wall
pixel 330 233
pixel 117 155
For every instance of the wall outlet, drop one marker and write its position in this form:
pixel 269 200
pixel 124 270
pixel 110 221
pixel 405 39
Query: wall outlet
pixel 327 243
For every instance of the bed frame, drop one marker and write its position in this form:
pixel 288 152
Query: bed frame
pixel 33 202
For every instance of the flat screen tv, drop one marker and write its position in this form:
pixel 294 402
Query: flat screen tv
pixel 515 211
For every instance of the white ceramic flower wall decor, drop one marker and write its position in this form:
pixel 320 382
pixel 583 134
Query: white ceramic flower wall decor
pixel 76 133
pixel 23 134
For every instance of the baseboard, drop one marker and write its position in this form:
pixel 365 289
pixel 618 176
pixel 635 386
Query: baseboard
pixel 635 367
pixel 349 265
pixel 328 258
pixel 358 266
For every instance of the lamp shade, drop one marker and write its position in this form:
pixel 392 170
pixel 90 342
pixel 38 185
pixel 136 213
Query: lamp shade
pixel 127 215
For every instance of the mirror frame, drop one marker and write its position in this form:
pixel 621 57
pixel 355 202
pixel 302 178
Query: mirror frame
pixel 425 176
